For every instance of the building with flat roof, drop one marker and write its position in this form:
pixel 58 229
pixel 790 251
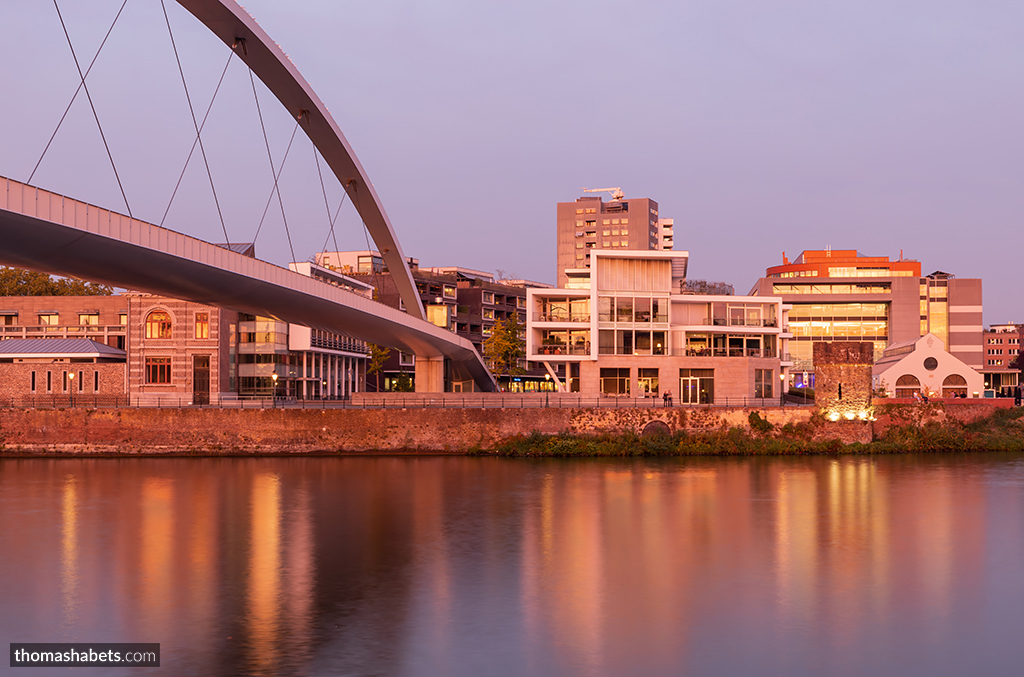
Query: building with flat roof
pixel 1000 347
pixel 842 295
pixel 626 326
pixel 466 301
pixel 590 224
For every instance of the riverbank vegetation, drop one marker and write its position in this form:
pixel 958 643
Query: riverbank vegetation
pixel 1002 431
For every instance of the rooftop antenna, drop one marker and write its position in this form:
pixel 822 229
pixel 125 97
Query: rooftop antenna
pixel 616 192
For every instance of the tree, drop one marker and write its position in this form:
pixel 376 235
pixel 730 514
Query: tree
pixel 20 282
pixel 378 356
pixel 505 347
pixel 1018 362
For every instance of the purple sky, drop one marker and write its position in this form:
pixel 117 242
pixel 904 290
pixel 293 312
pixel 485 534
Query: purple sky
pixel 759 127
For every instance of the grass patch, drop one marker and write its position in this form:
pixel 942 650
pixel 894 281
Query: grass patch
pixel 1002 431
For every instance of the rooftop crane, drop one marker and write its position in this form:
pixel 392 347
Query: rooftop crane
pixel 616 192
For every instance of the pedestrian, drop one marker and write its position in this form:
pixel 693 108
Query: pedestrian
pixel 668 398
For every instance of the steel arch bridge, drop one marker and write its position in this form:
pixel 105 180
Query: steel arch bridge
pixel 44 231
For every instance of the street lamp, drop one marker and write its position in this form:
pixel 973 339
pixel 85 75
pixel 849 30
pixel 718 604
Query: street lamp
pixel 273 377
pixel 547 388
pixel 782 390
pixel 71 376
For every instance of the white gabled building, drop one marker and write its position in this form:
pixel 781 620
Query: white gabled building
pixel 626 327
pixel 923 367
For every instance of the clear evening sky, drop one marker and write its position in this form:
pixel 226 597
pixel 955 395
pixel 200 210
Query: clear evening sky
pixel 760 127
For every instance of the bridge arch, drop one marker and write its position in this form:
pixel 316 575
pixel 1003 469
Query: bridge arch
pixel 250 43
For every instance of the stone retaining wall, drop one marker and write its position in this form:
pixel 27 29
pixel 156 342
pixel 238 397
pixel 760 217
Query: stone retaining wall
pixel 249 431
pixel 439 430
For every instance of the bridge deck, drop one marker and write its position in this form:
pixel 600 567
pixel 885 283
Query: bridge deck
pixel 41 230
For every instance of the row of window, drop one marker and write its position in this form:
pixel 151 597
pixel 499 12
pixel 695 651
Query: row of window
pixel 696 386
pixel 158 325
pixel 68 380
pixel 53 319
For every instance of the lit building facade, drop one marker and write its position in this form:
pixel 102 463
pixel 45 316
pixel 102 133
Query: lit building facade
pixel 624 328
pixel 1000 347
pixel 841 295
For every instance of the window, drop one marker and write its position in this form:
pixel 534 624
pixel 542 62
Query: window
pixel 158 370
pixel 49 381
pixel 49 319
pixel 907 385
pixel 95 381
pixel 615 381
pixel 488 313
pixel 33 381
pixel 158 326
pixel 647 381
pixel 406 360
pixel 697 386
pixel 449 291
pixel 202 325
pixel 88 319
pixel 763 382
pixel 488 297
pixel 123 319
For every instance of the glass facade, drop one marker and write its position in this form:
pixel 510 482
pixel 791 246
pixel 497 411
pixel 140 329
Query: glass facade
pixel 836 322
pixel 807 288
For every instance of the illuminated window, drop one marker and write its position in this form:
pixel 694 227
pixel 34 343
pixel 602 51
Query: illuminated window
pixel 158 370
pixel 88 319
pixel 158 325
pixel 49 319
pixel 202 325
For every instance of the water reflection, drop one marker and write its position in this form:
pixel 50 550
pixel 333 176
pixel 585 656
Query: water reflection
pixel 469 566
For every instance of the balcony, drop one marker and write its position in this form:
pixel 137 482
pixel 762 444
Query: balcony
pixel 739 322
pixel 561 317
pixel 727 352
pixel 563 350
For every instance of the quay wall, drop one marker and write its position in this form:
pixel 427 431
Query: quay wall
pixel 206 431
pixel 296 431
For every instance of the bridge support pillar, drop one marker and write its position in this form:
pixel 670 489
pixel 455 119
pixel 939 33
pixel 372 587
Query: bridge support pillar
pixel 429 375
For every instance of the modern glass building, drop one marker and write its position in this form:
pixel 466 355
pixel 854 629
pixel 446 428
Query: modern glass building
pixel 842 295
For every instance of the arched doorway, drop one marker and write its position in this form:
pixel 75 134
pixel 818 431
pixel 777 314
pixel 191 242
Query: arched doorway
pixel 907 385
pixel 954 385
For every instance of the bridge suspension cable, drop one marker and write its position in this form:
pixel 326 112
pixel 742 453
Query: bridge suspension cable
pixel 195 123
pixel 77 90
pixel 274 174
pixel 88 96
pixel 330 233
pixel 194 143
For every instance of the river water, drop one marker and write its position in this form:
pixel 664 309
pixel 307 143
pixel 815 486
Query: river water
pixel 889 565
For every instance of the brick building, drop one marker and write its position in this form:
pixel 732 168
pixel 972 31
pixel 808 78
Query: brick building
pixel 1000 345
pixel 61 369
pixel 465 301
